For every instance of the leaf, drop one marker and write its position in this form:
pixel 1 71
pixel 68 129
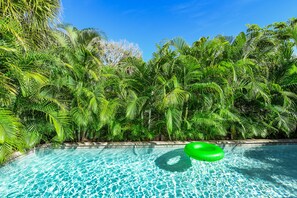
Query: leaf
pixel 169 122
pixel 208 87
pixel 175 98
pixel 9 127
pixel 173 119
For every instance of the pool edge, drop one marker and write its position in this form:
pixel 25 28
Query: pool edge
pixel 75 145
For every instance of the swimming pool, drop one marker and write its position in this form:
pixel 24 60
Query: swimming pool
pixel 246 171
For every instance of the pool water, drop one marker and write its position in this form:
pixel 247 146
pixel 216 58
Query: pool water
pixel 246 171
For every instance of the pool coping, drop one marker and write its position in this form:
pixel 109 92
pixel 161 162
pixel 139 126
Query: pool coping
pixel 173 143
pixel 69 145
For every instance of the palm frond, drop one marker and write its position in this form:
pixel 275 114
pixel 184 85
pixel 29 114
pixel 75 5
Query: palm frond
pixel 10 134
pixel 209 88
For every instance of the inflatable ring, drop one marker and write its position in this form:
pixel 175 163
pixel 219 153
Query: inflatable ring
pixel 204 151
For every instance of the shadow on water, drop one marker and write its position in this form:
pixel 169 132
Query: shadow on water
pixel 279 161
pixel 41 152
pixel 174 161
pixel 143 150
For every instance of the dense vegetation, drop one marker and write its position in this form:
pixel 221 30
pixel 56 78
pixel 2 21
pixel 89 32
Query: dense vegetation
pixel 56 85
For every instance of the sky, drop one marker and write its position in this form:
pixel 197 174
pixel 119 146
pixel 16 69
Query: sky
pixel 149 22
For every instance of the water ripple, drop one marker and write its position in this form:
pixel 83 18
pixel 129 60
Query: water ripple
pixel 266 171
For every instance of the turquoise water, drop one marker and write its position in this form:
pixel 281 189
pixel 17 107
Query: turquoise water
pixel 258 171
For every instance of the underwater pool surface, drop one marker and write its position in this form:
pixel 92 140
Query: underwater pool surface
pixel 246 171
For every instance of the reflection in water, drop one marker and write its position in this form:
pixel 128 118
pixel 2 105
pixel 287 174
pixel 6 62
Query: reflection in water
pixel 175 160
pixel 45 151
pixel 143 150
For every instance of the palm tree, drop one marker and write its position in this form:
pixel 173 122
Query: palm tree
pixel 80 76
pixel 35 18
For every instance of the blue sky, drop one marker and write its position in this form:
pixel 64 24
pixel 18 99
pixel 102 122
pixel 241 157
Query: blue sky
pixel 148 22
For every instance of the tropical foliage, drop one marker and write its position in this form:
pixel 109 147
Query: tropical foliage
pixel 58 84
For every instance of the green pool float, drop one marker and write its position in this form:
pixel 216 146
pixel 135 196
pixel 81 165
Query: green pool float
pixel 204 151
